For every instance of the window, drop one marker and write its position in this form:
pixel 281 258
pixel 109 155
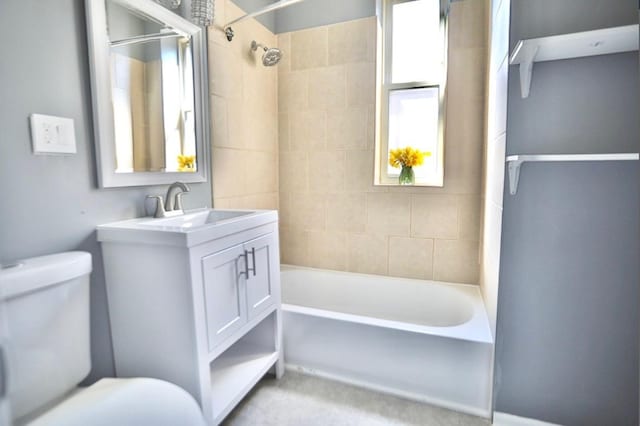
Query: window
pixel 411 87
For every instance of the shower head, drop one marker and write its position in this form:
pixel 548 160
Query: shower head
pixel 271 55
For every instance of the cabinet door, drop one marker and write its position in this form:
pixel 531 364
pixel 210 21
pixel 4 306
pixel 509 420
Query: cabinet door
pixel 263 281
pixel 224 293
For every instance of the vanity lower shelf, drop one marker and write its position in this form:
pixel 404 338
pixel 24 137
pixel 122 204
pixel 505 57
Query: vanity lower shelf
pixel 236 371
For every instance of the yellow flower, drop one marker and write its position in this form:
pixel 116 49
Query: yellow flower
pixel 186 163
pixel 407 157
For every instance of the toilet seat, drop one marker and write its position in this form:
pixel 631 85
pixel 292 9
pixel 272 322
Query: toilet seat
pixel 125 402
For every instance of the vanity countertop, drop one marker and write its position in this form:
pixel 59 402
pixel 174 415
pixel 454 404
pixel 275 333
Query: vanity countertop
pixel 193 228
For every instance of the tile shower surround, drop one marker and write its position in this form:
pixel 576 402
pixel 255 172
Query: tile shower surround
pixel 313 116
pixel 244 115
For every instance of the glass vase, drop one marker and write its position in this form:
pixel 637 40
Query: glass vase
pixel 407 177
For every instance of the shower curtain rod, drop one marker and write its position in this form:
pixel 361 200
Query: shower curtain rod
pixel 275 6
pixel 144 38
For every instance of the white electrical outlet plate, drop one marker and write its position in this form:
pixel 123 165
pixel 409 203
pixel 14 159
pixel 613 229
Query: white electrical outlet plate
pixel 52 135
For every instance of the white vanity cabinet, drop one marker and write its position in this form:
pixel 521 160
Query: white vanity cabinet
pixel 239 284
pixel 203 313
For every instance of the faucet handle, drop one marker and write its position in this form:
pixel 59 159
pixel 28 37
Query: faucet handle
pixel 160 212
pixel 178 203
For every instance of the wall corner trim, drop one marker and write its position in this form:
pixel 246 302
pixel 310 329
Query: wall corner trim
pixel 504 419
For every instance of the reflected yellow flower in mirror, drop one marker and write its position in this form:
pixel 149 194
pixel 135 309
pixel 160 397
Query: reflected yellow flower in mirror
pixel 186 163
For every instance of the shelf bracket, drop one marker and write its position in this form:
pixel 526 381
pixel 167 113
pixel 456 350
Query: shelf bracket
pixel 514 162
pixel 514 175
pixel 526 71
pixel 569 46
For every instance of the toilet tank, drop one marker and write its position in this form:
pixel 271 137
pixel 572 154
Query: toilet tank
pixel 47 318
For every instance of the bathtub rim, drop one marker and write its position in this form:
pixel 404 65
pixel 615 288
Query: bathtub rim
pixel 475 330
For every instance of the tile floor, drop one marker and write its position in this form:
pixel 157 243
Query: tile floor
pixel 302 400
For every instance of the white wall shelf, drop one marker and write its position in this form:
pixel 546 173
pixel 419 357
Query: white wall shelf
pixel 514 162
pixel 569 46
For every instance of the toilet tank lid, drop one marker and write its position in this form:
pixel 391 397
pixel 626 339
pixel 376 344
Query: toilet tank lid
pixel 35 273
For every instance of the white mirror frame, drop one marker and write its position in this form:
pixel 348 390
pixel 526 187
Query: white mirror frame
pixel 103 122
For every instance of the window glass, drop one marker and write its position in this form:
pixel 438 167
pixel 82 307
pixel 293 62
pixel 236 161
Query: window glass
pixel 413 121
pixel 416 44
pixel 411 88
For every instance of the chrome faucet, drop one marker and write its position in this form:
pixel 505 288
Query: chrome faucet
pixel 174 202
pixel 172 206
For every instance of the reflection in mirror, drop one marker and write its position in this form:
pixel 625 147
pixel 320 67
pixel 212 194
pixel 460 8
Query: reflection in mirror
pixel 152 90
pixel 148 93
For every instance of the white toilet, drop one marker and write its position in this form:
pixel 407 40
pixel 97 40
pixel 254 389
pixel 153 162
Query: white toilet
pixel 47 318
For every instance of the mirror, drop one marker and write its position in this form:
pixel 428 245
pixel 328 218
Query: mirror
pixel 149 97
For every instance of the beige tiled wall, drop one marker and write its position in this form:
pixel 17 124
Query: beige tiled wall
pixel 128 103
pixel 332 216
pixel 138 111
pixel 155 120
pixel 244 115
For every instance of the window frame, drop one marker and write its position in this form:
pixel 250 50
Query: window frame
pixel 385 86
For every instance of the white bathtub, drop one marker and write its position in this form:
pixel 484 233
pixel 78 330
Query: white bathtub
pixel 423 340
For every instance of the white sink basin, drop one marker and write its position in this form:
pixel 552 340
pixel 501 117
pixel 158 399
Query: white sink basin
pixel 193 228
pixel 197 218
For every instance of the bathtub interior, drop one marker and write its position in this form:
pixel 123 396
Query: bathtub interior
pixel 444 309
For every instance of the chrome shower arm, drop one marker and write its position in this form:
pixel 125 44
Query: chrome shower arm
pixel 255 45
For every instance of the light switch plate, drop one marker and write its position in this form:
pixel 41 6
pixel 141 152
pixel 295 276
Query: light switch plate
pixel 52 135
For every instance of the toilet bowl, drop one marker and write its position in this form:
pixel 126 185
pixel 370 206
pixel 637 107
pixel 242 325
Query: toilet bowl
pixel 46 301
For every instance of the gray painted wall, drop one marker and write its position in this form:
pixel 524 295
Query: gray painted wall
pixel 576 106
pixel 539 18
pixel 51 204
pixel 309 13
pixel 315 13
pixel 249 6
pixel 567 340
